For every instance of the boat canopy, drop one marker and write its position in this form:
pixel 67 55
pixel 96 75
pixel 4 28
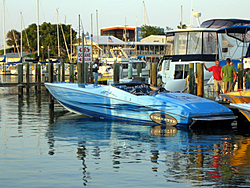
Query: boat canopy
pixel 222 23
pixel 241 33
pixel 4 59
pixel 192 45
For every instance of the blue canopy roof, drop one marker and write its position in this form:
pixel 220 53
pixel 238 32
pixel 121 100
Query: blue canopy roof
pixel 241 33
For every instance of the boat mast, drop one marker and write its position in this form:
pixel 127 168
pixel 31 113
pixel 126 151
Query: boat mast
pixel 71 43
pixel 136 36
pixel 125 33
pixel 191 14
pixel 79 40
pixel 144 13
pixel 97 32
pixel 4 27
pixel 91 37
pixel 38 45
pixel 57 27
pixel 181 18
pixel 21 36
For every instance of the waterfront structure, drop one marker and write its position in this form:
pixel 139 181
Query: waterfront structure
pixel 125 33
pixel 101 45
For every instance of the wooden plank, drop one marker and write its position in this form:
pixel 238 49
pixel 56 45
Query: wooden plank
pixel 14 84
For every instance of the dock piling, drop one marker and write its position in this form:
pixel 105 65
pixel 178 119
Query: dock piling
pixel 200 79
pixel 154 74
pixel 240 76
pixel 139 69
pixel 116 72
pixel 27 77
pixel 191 80
pixel 58 72
pixel 71 73
pixel 62 72
pixel 130 70
pixel 20 79
pixel 39 79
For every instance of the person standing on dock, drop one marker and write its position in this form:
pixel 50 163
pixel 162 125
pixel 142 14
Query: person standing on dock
pixel 217 77
pixel 228 74
pixel 234 77
pixel 247 79
pixel 95 71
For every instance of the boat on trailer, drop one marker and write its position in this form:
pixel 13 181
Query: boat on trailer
pixel 139 102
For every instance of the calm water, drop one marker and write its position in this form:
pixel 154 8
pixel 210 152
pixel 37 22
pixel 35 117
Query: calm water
pixel 41 148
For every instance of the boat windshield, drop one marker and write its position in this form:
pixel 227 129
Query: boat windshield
pixel 192 43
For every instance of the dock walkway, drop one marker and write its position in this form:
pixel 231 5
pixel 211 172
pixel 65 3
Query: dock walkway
pixel 14 84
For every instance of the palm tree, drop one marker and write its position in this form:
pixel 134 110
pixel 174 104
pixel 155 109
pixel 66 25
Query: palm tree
pixel 13 38
pixel 182 26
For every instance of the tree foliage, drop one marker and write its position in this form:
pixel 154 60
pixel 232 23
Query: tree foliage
pixel 151 30
pixel 48 38
pixel 13 38
pixel 182 26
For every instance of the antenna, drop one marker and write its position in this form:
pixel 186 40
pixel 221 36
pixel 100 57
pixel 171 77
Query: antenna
pixel 197 15
pixel 191 17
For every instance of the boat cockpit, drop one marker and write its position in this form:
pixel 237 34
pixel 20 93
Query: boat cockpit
pixel 139 89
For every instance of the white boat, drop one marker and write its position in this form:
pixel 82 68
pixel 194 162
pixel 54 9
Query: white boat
pixel 198 45
pixel 122 56
pixel 244 108
pixel 138 102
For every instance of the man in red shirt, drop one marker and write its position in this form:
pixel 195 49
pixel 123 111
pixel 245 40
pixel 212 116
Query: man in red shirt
pixel 217 77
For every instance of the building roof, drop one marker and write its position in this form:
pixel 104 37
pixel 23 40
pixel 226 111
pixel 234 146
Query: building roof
pixel 118 27
pixel 106 40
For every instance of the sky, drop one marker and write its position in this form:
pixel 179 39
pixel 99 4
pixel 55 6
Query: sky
pixel 160 13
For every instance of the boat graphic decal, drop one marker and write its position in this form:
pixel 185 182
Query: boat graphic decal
pixel 164 119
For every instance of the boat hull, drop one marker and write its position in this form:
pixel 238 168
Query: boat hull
pixel 238 96
pixel 107 102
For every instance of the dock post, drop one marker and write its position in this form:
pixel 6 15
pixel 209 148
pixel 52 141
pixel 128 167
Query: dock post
pixel 79 73
pixel 71 73
pixel 4 68
pixel 240 76
pixel 27 77
pixel 191 80
pixel 35 75
pixel 150 72
pixel 20 78
pixel 58 72
pixel 50 66
pixel 63 71
pixel 86 68
pixel 139 69
pixel 51 100
pixel 91 72
pixel 130 70
pixel 116 72
pixel 36 72
pixel 154 74
pixel 200 79
pixel 39 78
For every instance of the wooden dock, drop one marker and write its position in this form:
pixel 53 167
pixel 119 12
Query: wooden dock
pixel 14 84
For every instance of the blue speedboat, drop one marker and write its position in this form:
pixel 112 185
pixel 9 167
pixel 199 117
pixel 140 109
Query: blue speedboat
pixel 139 103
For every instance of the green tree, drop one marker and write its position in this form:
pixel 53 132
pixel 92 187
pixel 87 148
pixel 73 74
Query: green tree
pixel 182 26
pixel 48 38
pixel 151 30
pixel 13 38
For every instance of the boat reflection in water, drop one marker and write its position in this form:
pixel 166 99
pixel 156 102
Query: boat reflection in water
pixel 202 157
